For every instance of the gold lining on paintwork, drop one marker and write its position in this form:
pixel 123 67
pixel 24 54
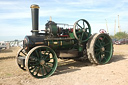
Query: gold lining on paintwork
pixel 55 43
pixel 60 42
pixel 39 42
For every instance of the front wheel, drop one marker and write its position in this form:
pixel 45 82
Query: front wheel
pixel 20 58
pixel 41 61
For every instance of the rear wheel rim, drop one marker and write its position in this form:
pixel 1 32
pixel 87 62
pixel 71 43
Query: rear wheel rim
pixel 41 62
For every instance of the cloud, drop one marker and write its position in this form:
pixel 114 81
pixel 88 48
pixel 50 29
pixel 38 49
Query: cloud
pixel 8 3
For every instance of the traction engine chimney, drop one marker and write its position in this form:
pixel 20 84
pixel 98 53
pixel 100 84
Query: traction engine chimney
pixel 35 16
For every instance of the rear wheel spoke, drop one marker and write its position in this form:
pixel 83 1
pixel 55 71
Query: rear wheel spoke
pixel 98 54
pixel 50 62
pixel 107 44
pixel 97 49
pixel 100 58
pixel 100 43
pixel 107 51
pixel 97 45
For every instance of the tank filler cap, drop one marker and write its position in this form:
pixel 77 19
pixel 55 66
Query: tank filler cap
pixel 34 6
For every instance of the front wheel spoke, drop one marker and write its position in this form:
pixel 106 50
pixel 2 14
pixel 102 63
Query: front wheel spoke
pixel 42 71
pixel 48 66
pixel 23 53
pixel 45 51
pixel 38 71
pixel 35 58
pixel 34 70
pixel 45 69
pixel 34 64
pixel 45 58
pixel 41 56
pixel 37 54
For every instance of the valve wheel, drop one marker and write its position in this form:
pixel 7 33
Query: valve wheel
pixel 21 53
pixel 82 30
pixel 41 61
pixel 100 48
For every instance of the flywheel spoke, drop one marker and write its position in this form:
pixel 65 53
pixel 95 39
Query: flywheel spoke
pixel 79 26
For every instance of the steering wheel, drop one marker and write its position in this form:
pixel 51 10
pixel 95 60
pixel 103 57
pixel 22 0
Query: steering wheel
pixel 82 30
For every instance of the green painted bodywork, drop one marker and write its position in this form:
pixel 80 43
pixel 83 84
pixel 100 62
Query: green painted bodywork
pixel 71 35
pixel 54 29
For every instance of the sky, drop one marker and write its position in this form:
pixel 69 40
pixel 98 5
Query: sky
pixel 15 15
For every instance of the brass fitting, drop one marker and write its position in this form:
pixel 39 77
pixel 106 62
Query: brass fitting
pixel 34 6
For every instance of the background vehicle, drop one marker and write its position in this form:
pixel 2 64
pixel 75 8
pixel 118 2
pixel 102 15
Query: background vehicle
pixel 114 40
pixel 3 45
pixel 121 41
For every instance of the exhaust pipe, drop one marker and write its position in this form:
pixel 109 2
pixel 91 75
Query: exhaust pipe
pixel 35 16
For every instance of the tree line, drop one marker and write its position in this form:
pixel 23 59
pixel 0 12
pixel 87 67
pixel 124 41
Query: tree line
pixel 120 35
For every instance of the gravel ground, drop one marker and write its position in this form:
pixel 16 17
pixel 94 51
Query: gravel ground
pixel 68 72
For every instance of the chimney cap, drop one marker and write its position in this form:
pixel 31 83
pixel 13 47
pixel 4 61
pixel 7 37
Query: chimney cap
pixel 34 6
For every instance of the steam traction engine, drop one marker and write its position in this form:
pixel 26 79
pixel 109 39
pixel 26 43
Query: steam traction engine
pixel 41 50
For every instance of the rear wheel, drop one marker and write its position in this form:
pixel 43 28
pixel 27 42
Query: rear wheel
pixel 100 48
pixel 41 61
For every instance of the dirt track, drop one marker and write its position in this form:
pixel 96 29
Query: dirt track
pixel 69 72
